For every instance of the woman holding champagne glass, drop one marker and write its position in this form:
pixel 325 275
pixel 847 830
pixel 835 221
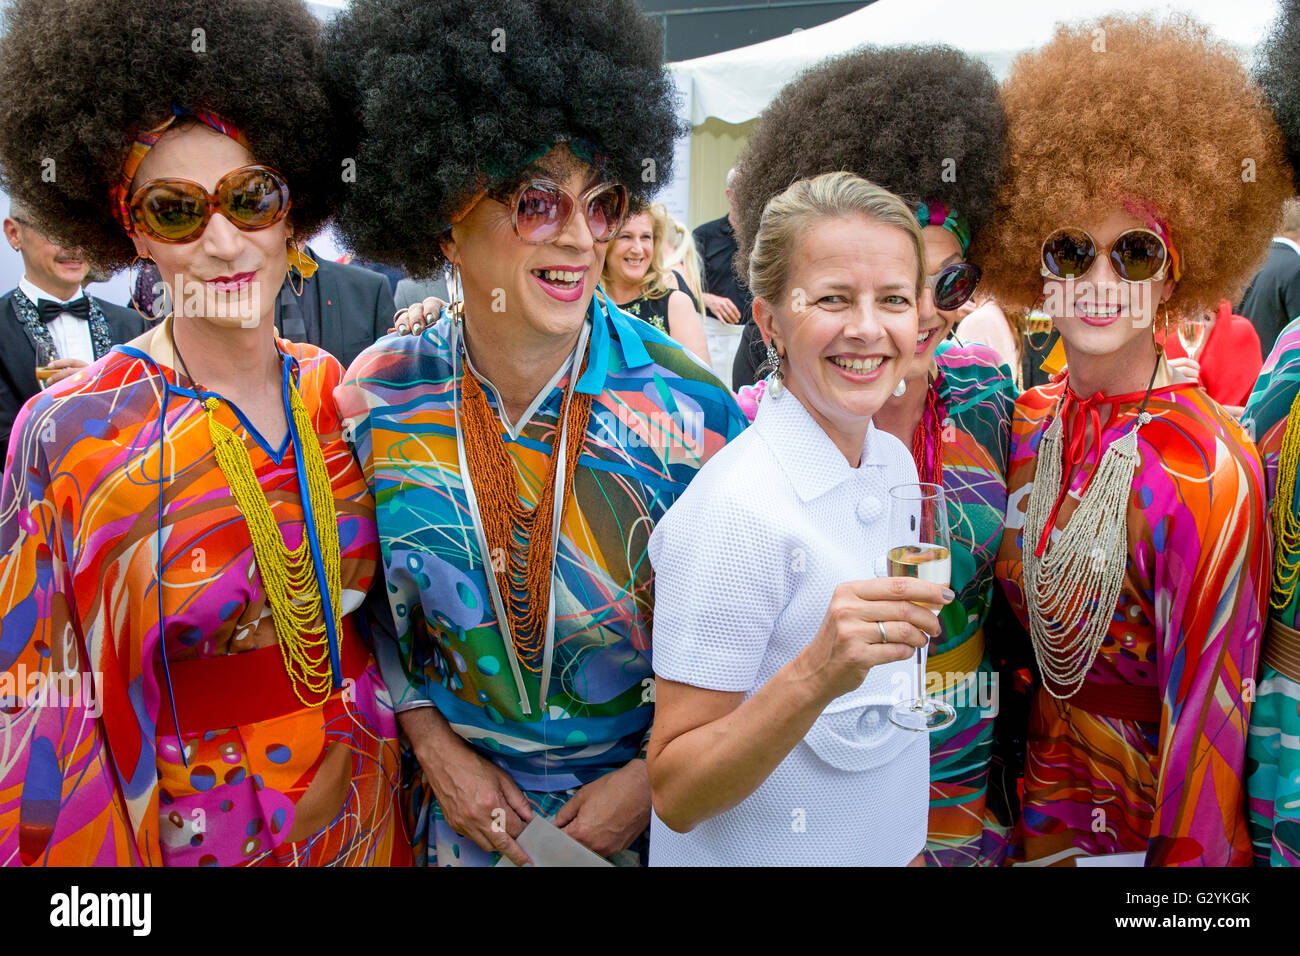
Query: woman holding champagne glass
pixel 772 741
pixel 953 407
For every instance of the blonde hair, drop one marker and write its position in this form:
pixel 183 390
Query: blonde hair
pixel 841 195
pixel 658 281
pixel 685 256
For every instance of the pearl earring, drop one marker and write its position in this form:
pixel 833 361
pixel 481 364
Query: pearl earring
pixel 900 389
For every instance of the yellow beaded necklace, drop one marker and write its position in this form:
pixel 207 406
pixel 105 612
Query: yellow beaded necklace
pixel 288 577
pixel 1286 526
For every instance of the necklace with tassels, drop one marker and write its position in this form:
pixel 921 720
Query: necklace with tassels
pixel 1072 585
pixel 288 577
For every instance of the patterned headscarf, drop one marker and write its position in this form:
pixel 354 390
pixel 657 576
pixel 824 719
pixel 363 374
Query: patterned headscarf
pixel 147 140
pixel 937 214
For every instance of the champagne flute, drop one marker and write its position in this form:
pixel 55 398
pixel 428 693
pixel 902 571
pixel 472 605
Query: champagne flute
pixel 1192 332
pixel 918 524
pixel 45 354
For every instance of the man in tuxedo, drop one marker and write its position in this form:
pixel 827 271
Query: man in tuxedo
pixel 342 309
pixel 50 309
pixel 1273 298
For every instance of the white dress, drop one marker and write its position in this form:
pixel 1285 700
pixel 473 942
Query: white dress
pixel 745 563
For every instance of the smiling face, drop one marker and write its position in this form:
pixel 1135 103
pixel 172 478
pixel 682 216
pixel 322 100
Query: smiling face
pixel 1100 313
pixel 542 290
pixel 846 325
pixel 933 326
pixel 227 276
pixel 630 252
pixel 47 265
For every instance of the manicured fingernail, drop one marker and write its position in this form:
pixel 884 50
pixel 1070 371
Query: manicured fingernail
pixel 403 329
pixel 949 594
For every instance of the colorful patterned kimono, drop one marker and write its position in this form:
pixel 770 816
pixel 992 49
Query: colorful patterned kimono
pixel 1273 754
pixel 91 768
pixel 1179 655
pixel 657 416
pixel 978 395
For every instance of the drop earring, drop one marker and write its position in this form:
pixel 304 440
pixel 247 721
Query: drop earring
pixel 901 388
pixel 775 380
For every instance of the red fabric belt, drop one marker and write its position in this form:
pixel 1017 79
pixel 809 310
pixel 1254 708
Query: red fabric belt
pixel 234 690
pixel 1118 701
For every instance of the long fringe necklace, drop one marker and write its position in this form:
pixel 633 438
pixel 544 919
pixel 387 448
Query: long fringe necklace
pixel 288 577
pixel 1073 588
pixel 523 535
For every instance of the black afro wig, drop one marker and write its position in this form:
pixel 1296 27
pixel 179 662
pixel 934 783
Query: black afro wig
pixel 81 78
pixel 922 121
pixel 1278 73
pixel 449 97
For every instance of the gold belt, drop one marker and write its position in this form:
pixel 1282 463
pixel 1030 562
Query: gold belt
pixel 1282 649
pixel 957 663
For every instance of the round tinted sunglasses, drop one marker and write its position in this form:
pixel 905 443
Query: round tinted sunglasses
pixel 178 210
pixel 1136 255
pixel 954 285
pixel 541 209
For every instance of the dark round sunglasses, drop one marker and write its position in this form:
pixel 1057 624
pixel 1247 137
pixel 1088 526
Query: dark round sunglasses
pixel 1136 255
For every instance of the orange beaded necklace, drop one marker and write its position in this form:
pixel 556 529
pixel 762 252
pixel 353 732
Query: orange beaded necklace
pixel 523 535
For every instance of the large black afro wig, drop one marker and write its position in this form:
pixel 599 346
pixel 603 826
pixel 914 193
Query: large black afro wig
pixel 447 97
pixel 922 121
pixel 1278 73
pixel 80 78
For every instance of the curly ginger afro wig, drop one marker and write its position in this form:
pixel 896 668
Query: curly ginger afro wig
pixel 1279 74
pixel 81 78
pixel 1122 110
pixel 924 122
pixel 448 97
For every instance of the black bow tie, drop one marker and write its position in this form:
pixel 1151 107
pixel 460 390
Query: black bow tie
pixel 50 310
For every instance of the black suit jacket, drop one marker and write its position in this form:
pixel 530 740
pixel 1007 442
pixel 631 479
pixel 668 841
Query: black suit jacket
pixel 354 307
pixel 1273 298
pixel 18 357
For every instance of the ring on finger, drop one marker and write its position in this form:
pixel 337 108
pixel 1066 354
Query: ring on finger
pixel 884 637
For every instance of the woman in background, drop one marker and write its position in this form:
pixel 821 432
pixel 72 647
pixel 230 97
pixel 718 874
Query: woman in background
pixel 639 283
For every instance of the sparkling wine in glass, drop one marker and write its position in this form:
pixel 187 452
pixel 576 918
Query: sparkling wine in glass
pixel 923 549
pixel 45 354
pixel 1192 332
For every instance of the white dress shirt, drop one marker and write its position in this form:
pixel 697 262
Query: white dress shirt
pixel 745 564
pixel 71 335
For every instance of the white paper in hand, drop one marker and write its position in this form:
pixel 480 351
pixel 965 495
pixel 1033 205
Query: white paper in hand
pixel 548 845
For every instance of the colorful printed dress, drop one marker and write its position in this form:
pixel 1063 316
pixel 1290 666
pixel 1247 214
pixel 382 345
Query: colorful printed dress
pixel 978 395
pixel 1180 651
pixel 656 417
pixel 1273 753
pixel 92 771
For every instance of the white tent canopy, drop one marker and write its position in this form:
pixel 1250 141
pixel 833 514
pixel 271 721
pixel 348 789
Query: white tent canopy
pixel 735 86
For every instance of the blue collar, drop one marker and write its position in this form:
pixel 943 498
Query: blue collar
pixel 609 322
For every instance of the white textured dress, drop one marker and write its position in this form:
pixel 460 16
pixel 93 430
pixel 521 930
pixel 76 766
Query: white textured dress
pixel 745 564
